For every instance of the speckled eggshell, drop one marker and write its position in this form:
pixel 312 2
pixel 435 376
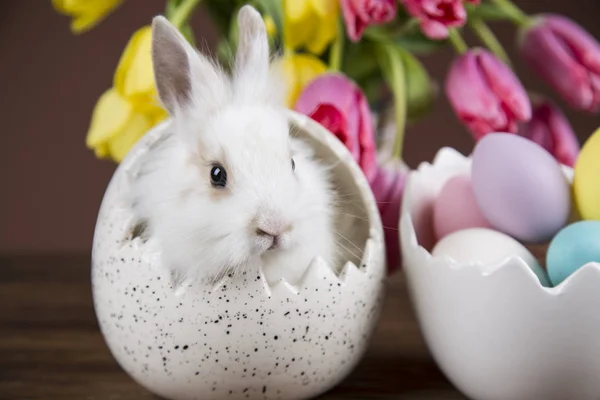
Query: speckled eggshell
pixel 242 338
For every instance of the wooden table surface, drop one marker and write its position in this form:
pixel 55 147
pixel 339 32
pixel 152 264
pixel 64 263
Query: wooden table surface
pixel 51 346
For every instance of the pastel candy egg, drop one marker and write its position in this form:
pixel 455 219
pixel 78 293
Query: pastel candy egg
pixel 520 188
pixel 455 208
pixel 586 179
pixel 572 248
pixel 487 247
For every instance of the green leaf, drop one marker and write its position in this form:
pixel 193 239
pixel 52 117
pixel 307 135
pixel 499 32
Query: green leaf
pixel 359 60
pixel 419 89
pixel 188 33
pixel 273 9
pixel 418 43
pixel 220 13
pixel 392 65
pixel 487 11
pixel 408 35
pixel 171 7
pixel 225 53
pixel 232 35
pixel 372 86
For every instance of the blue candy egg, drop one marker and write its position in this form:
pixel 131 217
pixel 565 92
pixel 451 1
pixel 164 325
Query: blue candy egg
pixel 572 248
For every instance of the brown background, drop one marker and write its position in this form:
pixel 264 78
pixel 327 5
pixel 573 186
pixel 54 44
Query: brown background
pixel 52 185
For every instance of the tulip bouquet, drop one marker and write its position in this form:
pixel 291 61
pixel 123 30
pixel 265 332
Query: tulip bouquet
pixel 346 60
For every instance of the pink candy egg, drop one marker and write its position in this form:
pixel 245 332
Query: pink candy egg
pixel 456 208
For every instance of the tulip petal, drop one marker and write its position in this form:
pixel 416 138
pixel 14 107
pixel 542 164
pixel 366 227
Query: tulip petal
pixel 299 70
pixel 583 45
pixel 471 97
pixel 437 16
pixel 325 8
pixel 325 33
pixel 337 91
pixel 434 29
pixel 388 187
pixel 358 14
pixel 368 150
pixel 121 144
pixel 549 56
pixel 332 119
pixel 506 86
pixel 296 10
pixel 111 114
pixel 354 25
pixel 86 13
pixel 134 75
pixel 550 129
pixel 310 23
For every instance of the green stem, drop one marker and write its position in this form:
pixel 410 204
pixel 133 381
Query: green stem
pixel 171 7
pixel 337 49
pixel 188 33
pixel 394 71
pixel 457 41
pixel 409 26
pixel 399 110
pixel 183 12
pixel 485 34
pixel 515 13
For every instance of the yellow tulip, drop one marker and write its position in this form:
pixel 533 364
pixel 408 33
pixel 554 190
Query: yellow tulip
pixel 85 13
pixel 134 77
pixel 270 26
pixel 310 23
pixel 298 71
pixel 124 113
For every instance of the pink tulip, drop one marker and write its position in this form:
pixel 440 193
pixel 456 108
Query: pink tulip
pixel 359 14
pixel 567 57
pixel 339 105
pixel 485 94
pixel 550 129
pixel 388 188
pixel 437 16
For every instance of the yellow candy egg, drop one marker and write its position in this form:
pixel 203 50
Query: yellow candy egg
pixel 586 179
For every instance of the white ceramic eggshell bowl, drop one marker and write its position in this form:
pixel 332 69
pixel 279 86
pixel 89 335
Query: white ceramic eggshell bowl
pixel 493 329
pixel 243 339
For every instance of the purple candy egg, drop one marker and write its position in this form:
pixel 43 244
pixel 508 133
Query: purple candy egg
pixel 520 187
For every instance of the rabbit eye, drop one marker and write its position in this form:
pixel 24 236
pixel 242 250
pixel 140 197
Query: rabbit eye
pixel 293 165
pixel 218 176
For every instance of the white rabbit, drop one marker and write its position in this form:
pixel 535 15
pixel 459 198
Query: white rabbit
pixel 230 189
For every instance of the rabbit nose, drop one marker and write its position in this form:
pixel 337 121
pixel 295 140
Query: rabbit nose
pixel 272 227
pixel 273 237
pixel 273 231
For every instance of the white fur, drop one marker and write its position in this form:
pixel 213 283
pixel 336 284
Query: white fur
pixel 239 121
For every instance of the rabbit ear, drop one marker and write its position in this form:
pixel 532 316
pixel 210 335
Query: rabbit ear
pixel 183 76
pixel 252 55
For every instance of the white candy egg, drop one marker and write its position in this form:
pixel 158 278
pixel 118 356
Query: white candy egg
pixel 242 338
pixel 487 247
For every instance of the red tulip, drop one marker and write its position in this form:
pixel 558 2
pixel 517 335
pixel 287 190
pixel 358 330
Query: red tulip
pixel 339 105
pixel 358 14
pixel 485 94
pixel 437 16
pixel 567 57
pixel 550 129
